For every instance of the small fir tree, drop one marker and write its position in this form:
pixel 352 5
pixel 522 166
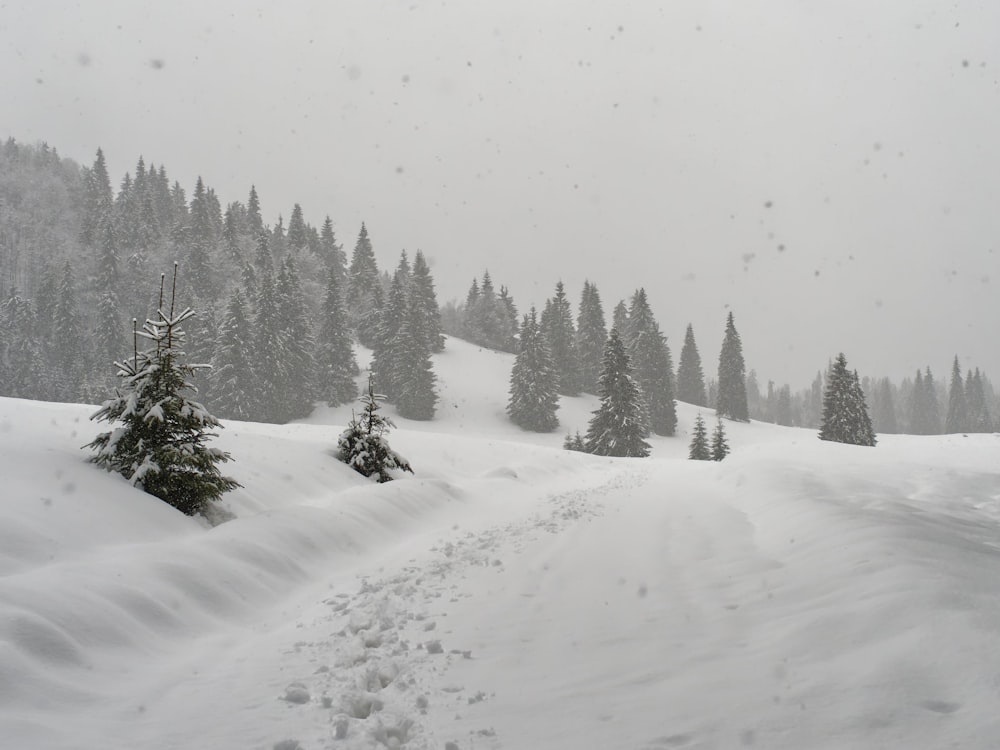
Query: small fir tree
pixel 720 447
pixel 534 395
pixel 699 449
pixel 363 445
pixel 575 443
pixel 845 414
pixel 618 426
pixel 160 445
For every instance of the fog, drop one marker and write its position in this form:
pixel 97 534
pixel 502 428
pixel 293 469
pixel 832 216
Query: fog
pixel 829 172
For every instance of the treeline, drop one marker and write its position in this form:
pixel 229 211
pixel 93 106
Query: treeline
pixel 278 306
pixel 920 405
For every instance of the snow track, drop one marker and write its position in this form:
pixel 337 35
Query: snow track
pixel 512 596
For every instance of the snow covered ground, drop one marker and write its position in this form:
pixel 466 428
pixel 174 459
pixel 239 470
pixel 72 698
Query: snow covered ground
pixel 799 594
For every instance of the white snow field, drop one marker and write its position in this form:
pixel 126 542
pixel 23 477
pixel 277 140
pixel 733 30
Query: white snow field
pixel 797 595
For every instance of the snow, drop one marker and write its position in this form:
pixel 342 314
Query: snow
pixel 511 594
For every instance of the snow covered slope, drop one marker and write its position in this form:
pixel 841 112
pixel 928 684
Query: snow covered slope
pixel 510 595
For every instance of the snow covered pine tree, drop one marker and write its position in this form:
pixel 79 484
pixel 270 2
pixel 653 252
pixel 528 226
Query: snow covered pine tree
pixel 363 446
pixel 618 426
pixel 160 447
pixel 845 414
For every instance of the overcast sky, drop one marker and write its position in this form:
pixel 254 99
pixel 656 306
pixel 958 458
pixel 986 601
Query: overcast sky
pixel 830 172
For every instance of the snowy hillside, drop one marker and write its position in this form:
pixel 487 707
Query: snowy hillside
pixel 799 594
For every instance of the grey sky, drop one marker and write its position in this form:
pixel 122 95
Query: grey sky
pixel 828 171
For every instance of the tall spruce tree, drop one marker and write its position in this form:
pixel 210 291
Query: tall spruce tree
pixel 232 371
pixel 652 366
pixel 269 362
pixel 21 356
pixel 925 412
pixel 69 355
pixel 845 413
pixel 591 335
pixel 298 237
pixel 413 371
pixel 979 410
pixel 422 289
pixel 335 360
pixel 387 346
pixel 534 383
pixel 560 337
pixel 619 319
pixel 884 408
pixel 690 377
pixel 160 445
pixel 619 425
pixel 958 406
pixel 732 399
pixel 333 253
pixel 297 384
pixel 362 300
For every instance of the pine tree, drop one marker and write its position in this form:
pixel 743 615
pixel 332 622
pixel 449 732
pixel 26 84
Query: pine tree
pixel 233 380
pixel 363 289
pixel 387 344
pixel 69 355
pixel 652 366
pixel 591 334
pixel 297 234
pixel 884 409
pixel 720 447
pixel 268 365
pixel 21 356
pixel 297 389
pixel 958 407
pixel 690 377
pixel 534 396
pixel 98 201
pixel 334 354
pixel 560 337
pixel 363 445
pixel 925 413
pixel 618 426
pixel 160 445
pixel 414 375
pixel 263 259
pixel 422 288
pixel 845 414
pixel 698 450
pixel 253 213
pixel 732 400
pixel 619 320
pixel 575 443
pixel 333 254
pixel 979 411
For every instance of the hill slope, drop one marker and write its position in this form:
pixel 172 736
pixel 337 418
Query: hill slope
pixel 511 595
